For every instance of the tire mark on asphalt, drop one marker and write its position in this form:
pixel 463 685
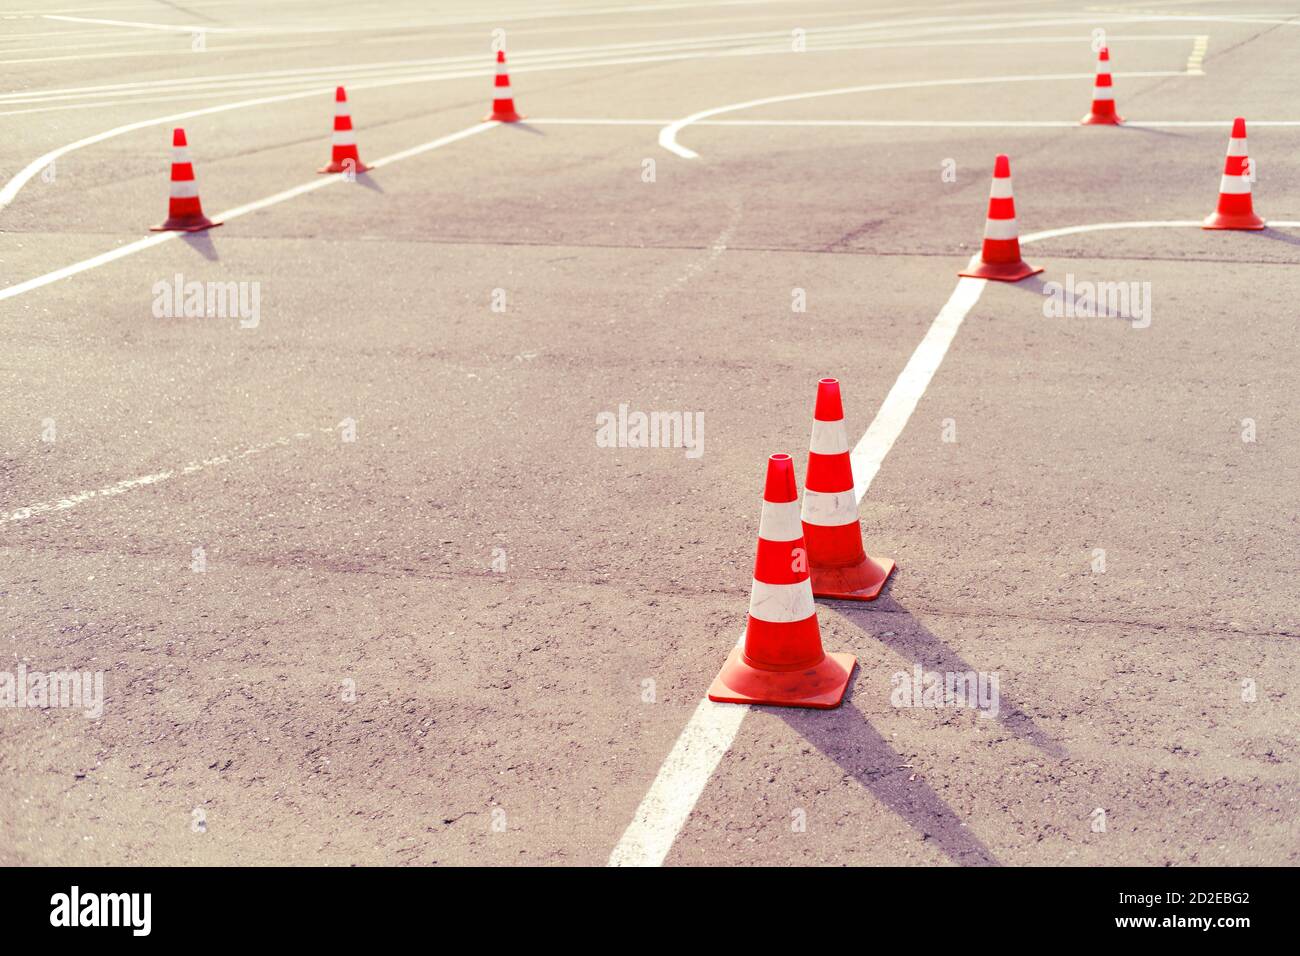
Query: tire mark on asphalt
pixel 699 263
pixel 130 484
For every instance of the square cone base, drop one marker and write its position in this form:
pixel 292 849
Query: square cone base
pixel 189 224
pixel 1102 119
pixel 342 168
pixel 859 582
pixel 821 687
pixel 1001 271
pixel 506 117
pixel 1220 220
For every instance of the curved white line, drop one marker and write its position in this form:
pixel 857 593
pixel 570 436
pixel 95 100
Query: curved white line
pixel 1138 224
pixel 25 175
pixel 148 242
pixel 138 25
pixel 553 55
pixel 668 135
pixel 721 42
pixel 906 124
pixel 551 61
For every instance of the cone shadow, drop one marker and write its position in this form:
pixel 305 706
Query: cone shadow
pixel 847 737
pixel 202 243
pixel 1099 308
pixel 1151 130
pixel 890 623
pixel 365 179
pixel 1271 233
pixel 526 127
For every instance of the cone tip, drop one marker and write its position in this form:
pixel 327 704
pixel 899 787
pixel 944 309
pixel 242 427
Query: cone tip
pixel 1002 166
pixel 178 137
pixel 829 407
pixel 1239 128
pixel 501 56
pixel 340 95
pixel 780 479
pixel 1104 53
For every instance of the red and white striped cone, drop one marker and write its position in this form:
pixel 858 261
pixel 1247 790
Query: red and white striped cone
pixel 343 147
pixel 839 565
pixel 1235 209
pixel 503 99
pixel 1103 96
pixel 1000 257
pixel 782 661
pixel 184 211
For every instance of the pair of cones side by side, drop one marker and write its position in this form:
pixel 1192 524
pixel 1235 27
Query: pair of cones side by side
pixel 813 551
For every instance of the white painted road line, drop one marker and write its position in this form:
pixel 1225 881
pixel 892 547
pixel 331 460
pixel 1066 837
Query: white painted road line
pixel 671 798
pixel 910 385
pixel 137 25
pixel 1138 224
pixel 71 501
pixel 150 241
pixel 900 123
pixel 545 61
pixel 712 729
pixel 668 135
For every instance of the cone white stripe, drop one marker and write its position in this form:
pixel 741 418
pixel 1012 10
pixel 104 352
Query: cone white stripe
pixel 830 509
pixel 185 189
pixel 829 438
pixel 1000 229
pixel 1001 188
pixel 502 93
pixel 1234 185
pixel 782 603
pixel 780 521
pixel 341 109
pixel 1237 147
pixel 344 137
pixel 180 154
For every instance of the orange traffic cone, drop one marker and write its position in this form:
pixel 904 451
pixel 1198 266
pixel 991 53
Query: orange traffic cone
pixel 1000 256
pixel 184 211
pixel 503 100
pixel 782 661
pixel 343 148
pixel 839 566
pixel 1103 96
pixel 1235 209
